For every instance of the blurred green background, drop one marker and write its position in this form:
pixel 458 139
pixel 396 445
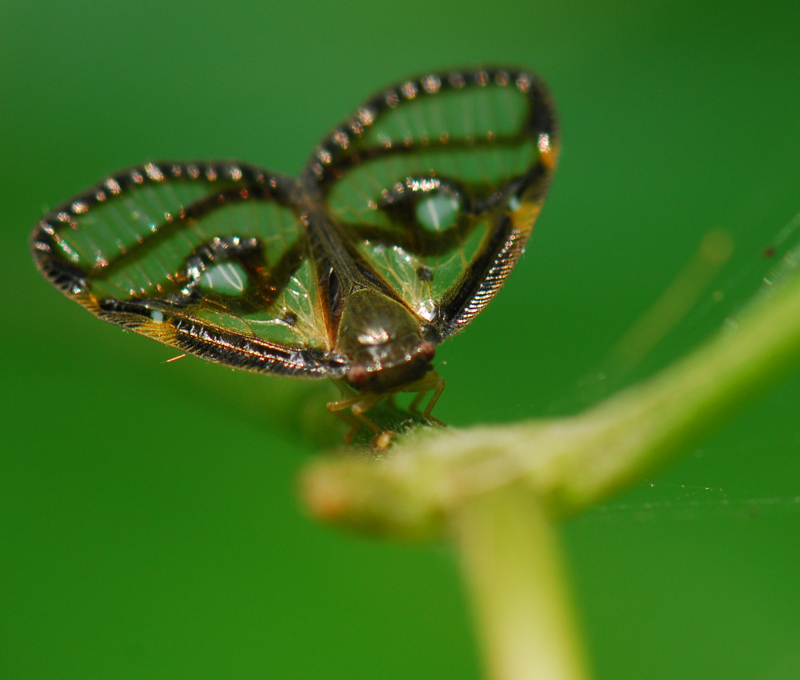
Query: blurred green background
pixel 148 521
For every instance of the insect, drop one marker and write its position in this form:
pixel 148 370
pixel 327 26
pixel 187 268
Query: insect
pixel 402 226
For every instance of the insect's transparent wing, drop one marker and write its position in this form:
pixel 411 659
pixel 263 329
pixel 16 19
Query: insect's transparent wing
pixel 438 182
pixel 209 258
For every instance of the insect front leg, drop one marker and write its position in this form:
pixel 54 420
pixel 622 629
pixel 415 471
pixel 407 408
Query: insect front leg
pixel 431 382
pixel 352 410
pixel 343 413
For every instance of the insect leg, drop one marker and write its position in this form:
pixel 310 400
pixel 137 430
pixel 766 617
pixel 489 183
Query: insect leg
pixel 432 382
pixel 438 388
pixel 347 417
pixel 414 405
pixel 352 410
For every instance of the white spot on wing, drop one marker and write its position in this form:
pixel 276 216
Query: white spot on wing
pixel 426 309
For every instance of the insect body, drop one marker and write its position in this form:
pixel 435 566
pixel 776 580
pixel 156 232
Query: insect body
pixel 402 226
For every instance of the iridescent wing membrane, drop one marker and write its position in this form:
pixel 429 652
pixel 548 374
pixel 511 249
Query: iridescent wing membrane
pixel 205 257
pixel 438 182
pixel 432 187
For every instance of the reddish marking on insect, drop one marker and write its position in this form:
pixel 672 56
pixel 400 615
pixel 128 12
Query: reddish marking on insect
pixel 426 350
pixel 357 375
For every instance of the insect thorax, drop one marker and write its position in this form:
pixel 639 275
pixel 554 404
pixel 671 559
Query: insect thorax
pixel 382 340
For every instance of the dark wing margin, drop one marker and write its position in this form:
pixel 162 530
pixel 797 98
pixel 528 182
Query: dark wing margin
pixel 439 180
pixel 206 257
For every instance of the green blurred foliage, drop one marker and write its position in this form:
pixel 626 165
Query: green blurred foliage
pixel 147 512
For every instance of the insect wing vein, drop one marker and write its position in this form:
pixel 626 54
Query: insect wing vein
pixel 209 258
pixel 438 183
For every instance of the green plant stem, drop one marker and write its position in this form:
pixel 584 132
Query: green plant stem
pixel 499 488
pixel 647 425
pixel 570 463
pixel 512 567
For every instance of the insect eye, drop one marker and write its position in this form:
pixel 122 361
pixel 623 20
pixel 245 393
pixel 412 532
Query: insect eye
pixel 357 375
pixel 426 350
